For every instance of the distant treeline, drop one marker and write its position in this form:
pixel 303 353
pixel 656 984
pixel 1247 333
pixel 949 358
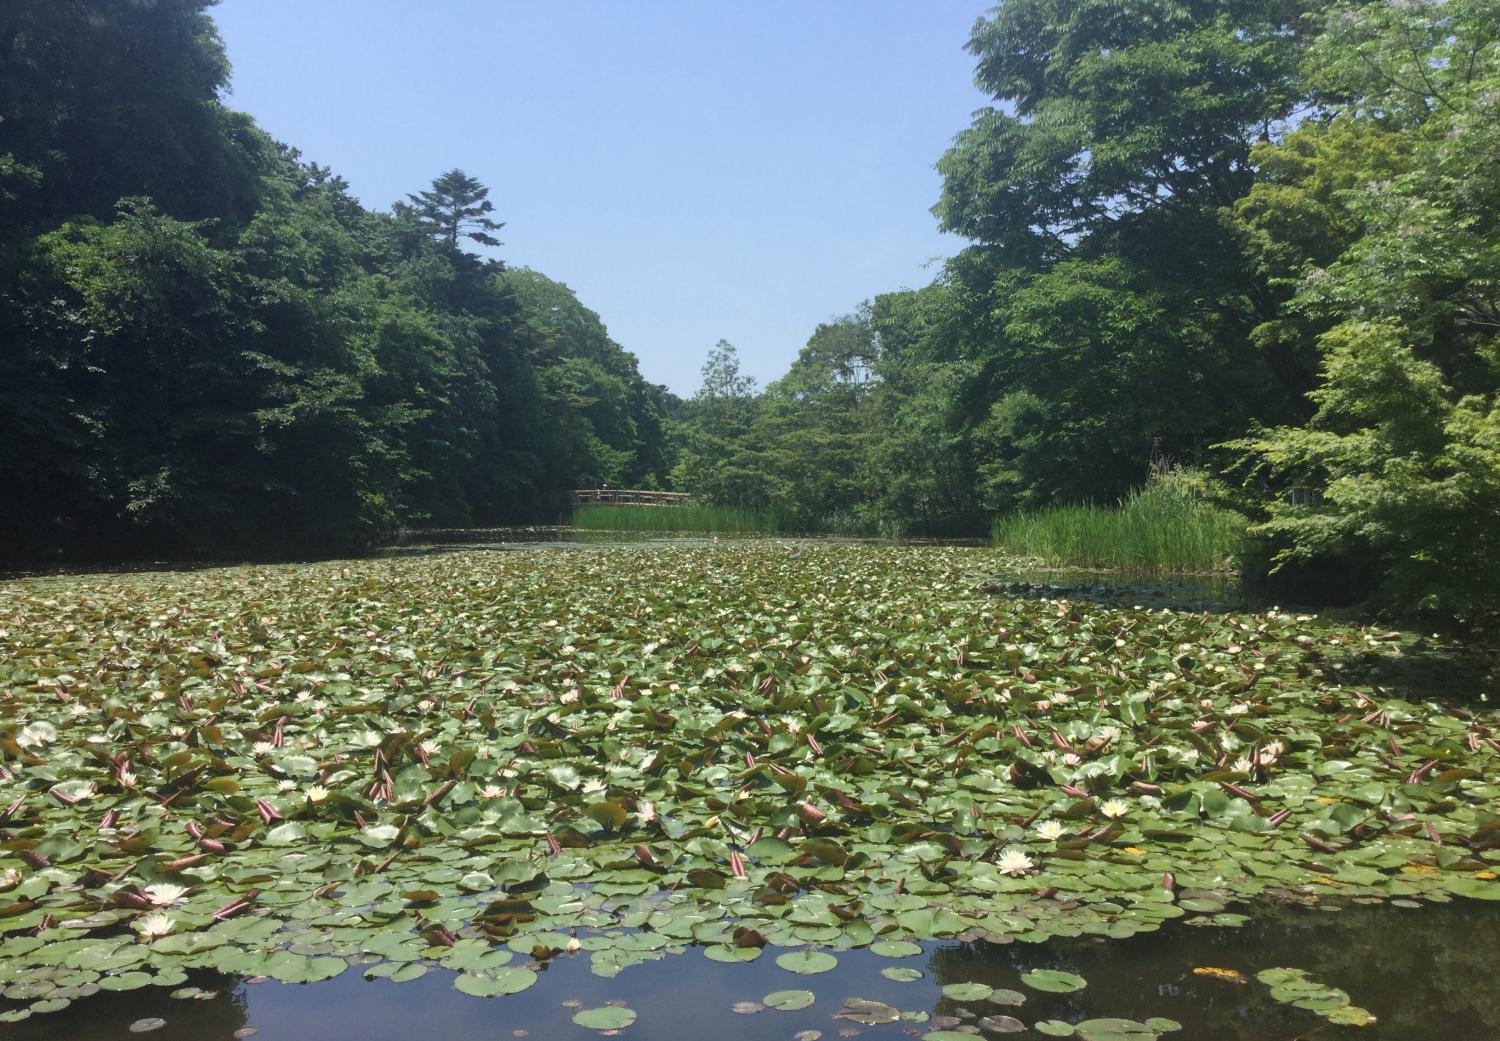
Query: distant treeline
pixel 1257 238
pixel 208 347
pixel 1260 237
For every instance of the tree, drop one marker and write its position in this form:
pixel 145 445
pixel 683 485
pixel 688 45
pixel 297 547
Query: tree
pixel 1384 218
pixel 456 206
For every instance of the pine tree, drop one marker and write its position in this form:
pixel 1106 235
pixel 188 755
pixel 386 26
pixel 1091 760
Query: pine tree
pixel 457 205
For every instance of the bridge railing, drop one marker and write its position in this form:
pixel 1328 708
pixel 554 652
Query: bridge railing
pixel 624 497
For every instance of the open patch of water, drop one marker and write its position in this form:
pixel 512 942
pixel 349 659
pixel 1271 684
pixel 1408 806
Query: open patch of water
pixel 1423 972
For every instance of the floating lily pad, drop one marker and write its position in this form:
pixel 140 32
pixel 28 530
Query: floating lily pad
pixel 1114 1030
pixel 895 948
pixel 606 1017
pixel 495 983
pixel 901 974
pixel 1053 981
pixel 143 1026
pixel 967 991
pixel 1054 1028
pixel 807 963
pixel 789 1000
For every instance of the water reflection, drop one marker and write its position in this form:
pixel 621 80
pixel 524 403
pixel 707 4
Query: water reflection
pixel 1426 972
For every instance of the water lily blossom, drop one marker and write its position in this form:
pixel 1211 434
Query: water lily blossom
pixel 1014 862
pixel 1050 830
pixel 1115 808
pixel 316 793
pixel 154 925
pixel 165 894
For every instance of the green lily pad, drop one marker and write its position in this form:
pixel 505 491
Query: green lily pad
pixel 789 1000
pixel 606 1017
pixel 901 974
pixel 496 982
pixel 895 948
pixel 1054 1028
pixel 1053 981
pixel 807 963
pixel 967 991
pixel 1114 1030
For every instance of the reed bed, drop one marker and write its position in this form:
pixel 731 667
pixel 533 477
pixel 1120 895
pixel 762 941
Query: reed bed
pixel 1161 529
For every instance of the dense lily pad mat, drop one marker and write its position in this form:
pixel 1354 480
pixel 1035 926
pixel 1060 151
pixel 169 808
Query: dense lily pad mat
pixel 480 760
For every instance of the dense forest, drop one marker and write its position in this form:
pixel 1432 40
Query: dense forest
pixel 211 348
pixel 1260 238
pixel 1256 238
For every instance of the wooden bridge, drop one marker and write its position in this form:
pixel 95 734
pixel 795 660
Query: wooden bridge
pixel 623 497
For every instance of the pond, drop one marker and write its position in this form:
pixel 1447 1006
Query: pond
pixel 645 788
pixel 1424 974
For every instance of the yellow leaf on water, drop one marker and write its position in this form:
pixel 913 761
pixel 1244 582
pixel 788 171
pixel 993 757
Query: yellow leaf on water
pixel 1227 975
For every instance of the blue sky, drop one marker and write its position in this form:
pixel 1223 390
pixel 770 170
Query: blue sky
pixel 693 169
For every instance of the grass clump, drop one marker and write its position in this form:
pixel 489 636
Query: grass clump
pixel 1170 525
pixel 691 517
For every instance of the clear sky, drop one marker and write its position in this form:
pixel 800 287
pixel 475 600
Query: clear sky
pixel 693 169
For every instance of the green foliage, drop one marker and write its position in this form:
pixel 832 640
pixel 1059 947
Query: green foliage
pixel 213 349
pixel 1399 467
pixel 631 748
pixel 1170 525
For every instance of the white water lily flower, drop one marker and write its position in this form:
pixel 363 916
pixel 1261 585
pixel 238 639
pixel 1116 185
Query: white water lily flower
pixel 1267 758
pixel 127 778
pixel 165 894
pixel 1014 862
pixel 430 746
pixel 593 785
pixel 1243 764
pixel 263 748
pixel 286 786
pixel 1071 759
pixel 1049 757
pixel 78 708
pixel 316 793
pixel 9 878
pixel 1050 830
pixel 1273 749
pixel 491 791
pixel 39 733
pixel 154 925
pixel 570 696
pixel 645 812
pixel 1115 808
pixel 1109 733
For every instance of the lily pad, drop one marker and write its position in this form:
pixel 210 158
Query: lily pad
pixel 967 991
pixel 1053 981
pixel 807 963
pixel 789 1000
pixel 606 1017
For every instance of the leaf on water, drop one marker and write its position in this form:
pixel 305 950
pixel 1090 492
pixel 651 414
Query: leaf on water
pixel 967 991
pixel 789 1000
pixel 607 1017
pixel 901 974
pixel 807 963
pixel 1053 981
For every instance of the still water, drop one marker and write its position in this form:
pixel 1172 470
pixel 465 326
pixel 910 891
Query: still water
pixel 1427 972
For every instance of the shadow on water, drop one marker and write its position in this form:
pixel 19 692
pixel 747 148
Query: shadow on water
pixel 1426 972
